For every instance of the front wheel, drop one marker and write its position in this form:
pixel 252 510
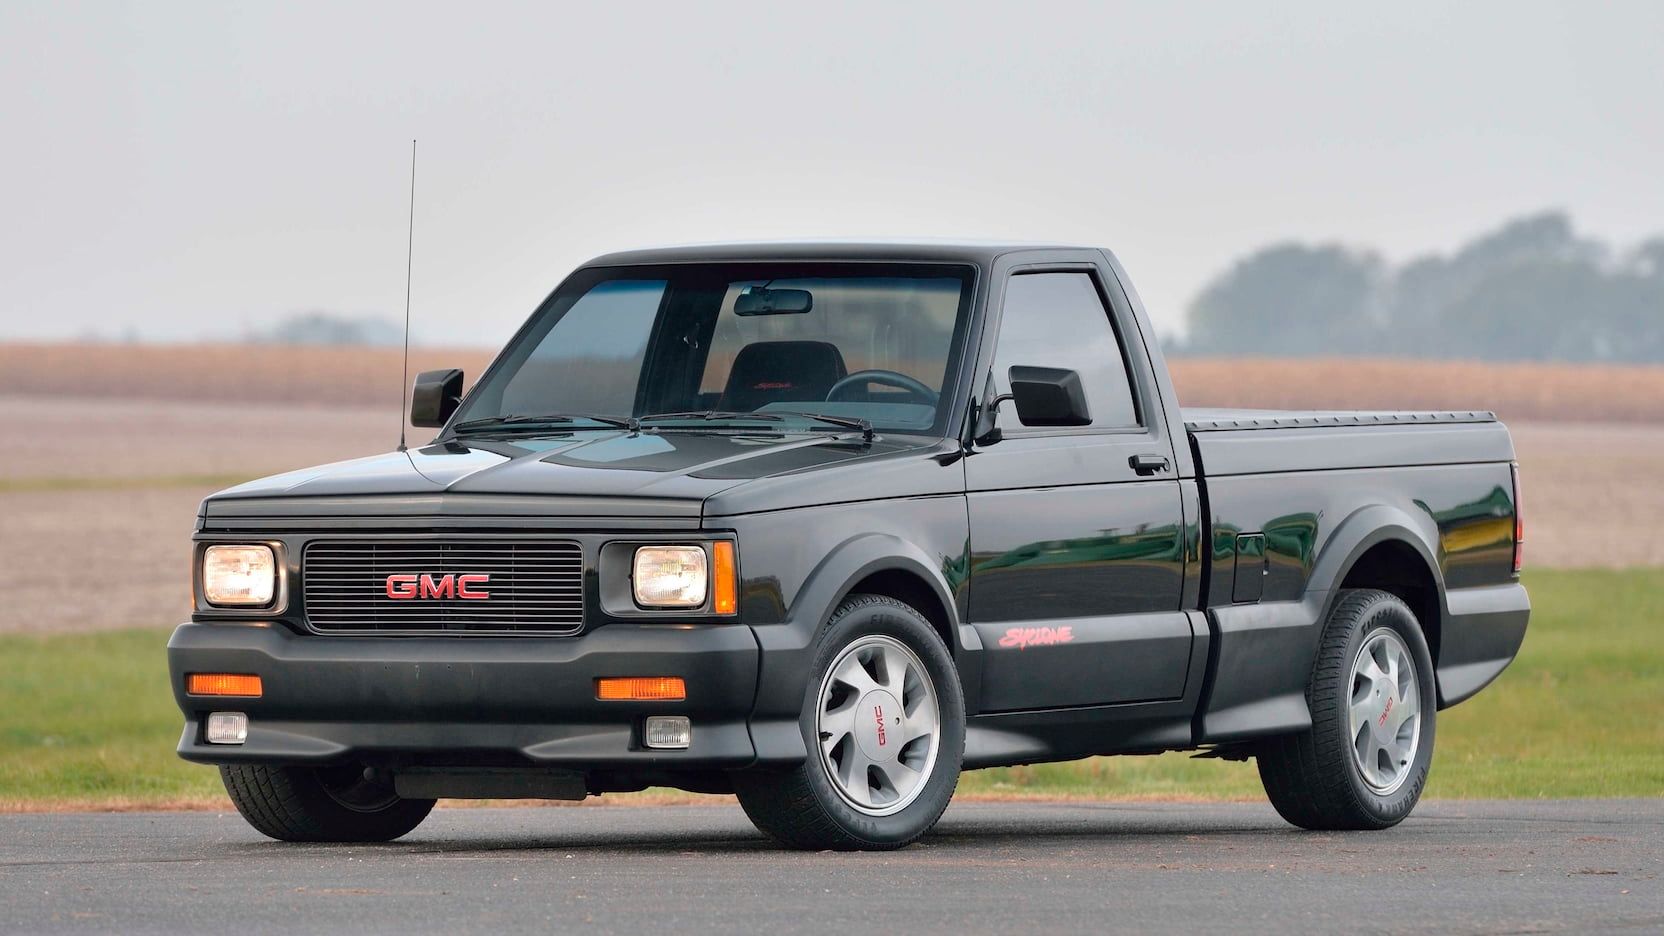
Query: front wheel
pixel 884 724
pixel 1364 761
pixel 321 804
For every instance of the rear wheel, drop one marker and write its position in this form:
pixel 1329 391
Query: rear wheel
pixel 1363 763
pixel 321 804
pixel 884 724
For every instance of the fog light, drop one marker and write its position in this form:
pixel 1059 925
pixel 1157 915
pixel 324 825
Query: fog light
pixel 672 732
pixel 227 728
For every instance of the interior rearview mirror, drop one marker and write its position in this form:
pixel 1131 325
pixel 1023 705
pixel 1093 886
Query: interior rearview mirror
pixel 435 397
pixel 760 300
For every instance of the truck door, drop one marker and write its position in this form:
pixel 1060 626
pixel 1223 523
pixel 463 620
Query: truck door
pixel 1077 533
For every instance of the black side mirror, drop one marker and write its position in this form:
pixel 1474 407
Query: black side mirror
pixel 435 397
pixel 1045 396
pixel 1049 396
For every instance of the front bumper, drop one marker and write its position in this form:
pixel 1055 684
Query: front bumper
pixel 468 701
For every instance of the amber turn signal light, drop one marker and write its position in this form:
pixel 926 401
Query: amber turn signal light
pixel 242 685
pixel 641 689
pixel 724 584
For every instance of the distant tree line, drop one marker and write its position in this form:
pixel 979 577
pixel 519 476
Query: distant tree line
pixel 329 328
pixel 1531 290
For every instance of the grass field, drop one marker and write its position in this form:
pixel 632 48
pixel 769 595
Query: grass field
pixel 86 720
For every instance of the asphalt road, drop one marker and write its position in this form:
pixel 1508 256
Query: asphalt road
pixel 1489 867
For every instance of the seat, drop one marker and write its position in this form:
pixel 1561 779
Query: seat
pixel 778 371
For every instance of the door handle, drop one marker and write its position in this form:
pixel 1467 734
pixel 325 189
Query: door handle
pixel 1148 464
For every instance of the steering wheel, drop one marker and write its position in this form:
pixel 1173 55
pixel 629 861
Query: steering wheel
pixel 916 388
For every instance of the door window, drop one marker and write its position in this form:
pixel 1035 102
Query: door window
pixel 1059 320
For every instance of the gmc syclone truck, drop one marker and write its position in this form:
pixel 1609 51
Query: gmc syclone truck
pixel 823 525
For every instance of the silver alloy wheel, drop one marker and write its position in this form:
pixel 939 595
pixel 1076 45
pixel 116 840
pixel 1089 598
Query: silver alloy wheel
pixel 1384 711
pixel 878 722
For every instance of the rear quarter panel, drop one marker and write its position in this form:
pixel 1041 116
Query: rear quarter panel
pixel 1323 497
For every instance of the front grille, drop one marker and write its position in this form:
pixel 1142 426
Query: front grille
pixel 532 587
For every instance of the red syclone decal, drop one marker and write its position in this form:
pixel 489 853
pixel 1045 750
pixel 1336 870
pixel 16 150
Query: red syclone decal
pixel 1021 637
pixel 404 587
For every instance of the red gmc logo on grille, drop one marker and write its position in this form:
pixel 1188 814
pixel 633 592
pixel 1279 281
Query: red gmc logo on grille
pixel 407 587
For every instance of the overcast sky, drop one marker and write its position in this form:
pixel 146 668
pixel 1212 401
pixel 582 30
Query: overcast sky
pixel 197 170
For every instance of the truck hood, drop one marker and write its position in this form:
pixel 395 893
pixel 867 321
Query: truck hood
pixel 582 473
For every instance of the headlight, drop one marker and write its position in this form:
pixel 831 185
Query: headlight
pixel 670 576
pixel 239 576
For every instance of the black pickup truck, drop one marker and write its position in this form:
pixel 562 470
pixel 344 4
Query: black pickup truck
pixel 822 525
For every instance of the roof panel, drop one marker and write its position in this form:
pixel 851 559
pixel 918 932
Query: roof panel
pixel 920 250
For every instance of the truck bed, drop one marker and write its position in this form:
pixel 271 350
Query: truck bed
pixel 1310 492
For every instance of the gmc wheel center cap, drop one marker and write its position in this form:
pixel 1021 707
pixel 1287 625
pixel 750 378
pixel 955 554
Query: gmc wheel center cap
pixel 878 724
pixel 1386 699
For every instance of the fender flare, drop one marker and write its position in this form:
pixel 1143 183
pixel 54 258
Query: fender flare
pixel 853 560
pixel 1364 529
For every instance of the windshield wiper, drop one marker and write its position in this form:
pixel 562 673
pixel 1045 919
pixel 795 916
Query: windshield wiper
pixel 861 425
pixel 517 422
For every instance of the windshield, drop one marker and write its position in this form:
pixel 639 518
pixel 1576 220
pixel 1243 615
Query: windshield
pixel 716 345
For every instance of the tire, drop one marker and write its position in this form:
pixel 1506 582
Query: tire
pixel 1330 777
pixel 320 804
pixel 832 801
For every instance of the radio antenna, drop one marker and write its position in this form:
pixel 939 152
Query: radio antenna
pixel 409 254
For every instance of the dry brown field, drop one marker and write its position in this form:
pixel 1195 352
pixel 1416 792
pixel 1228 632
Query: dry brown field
pixel 361 377
pixel 1516 392
pixel 109 449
